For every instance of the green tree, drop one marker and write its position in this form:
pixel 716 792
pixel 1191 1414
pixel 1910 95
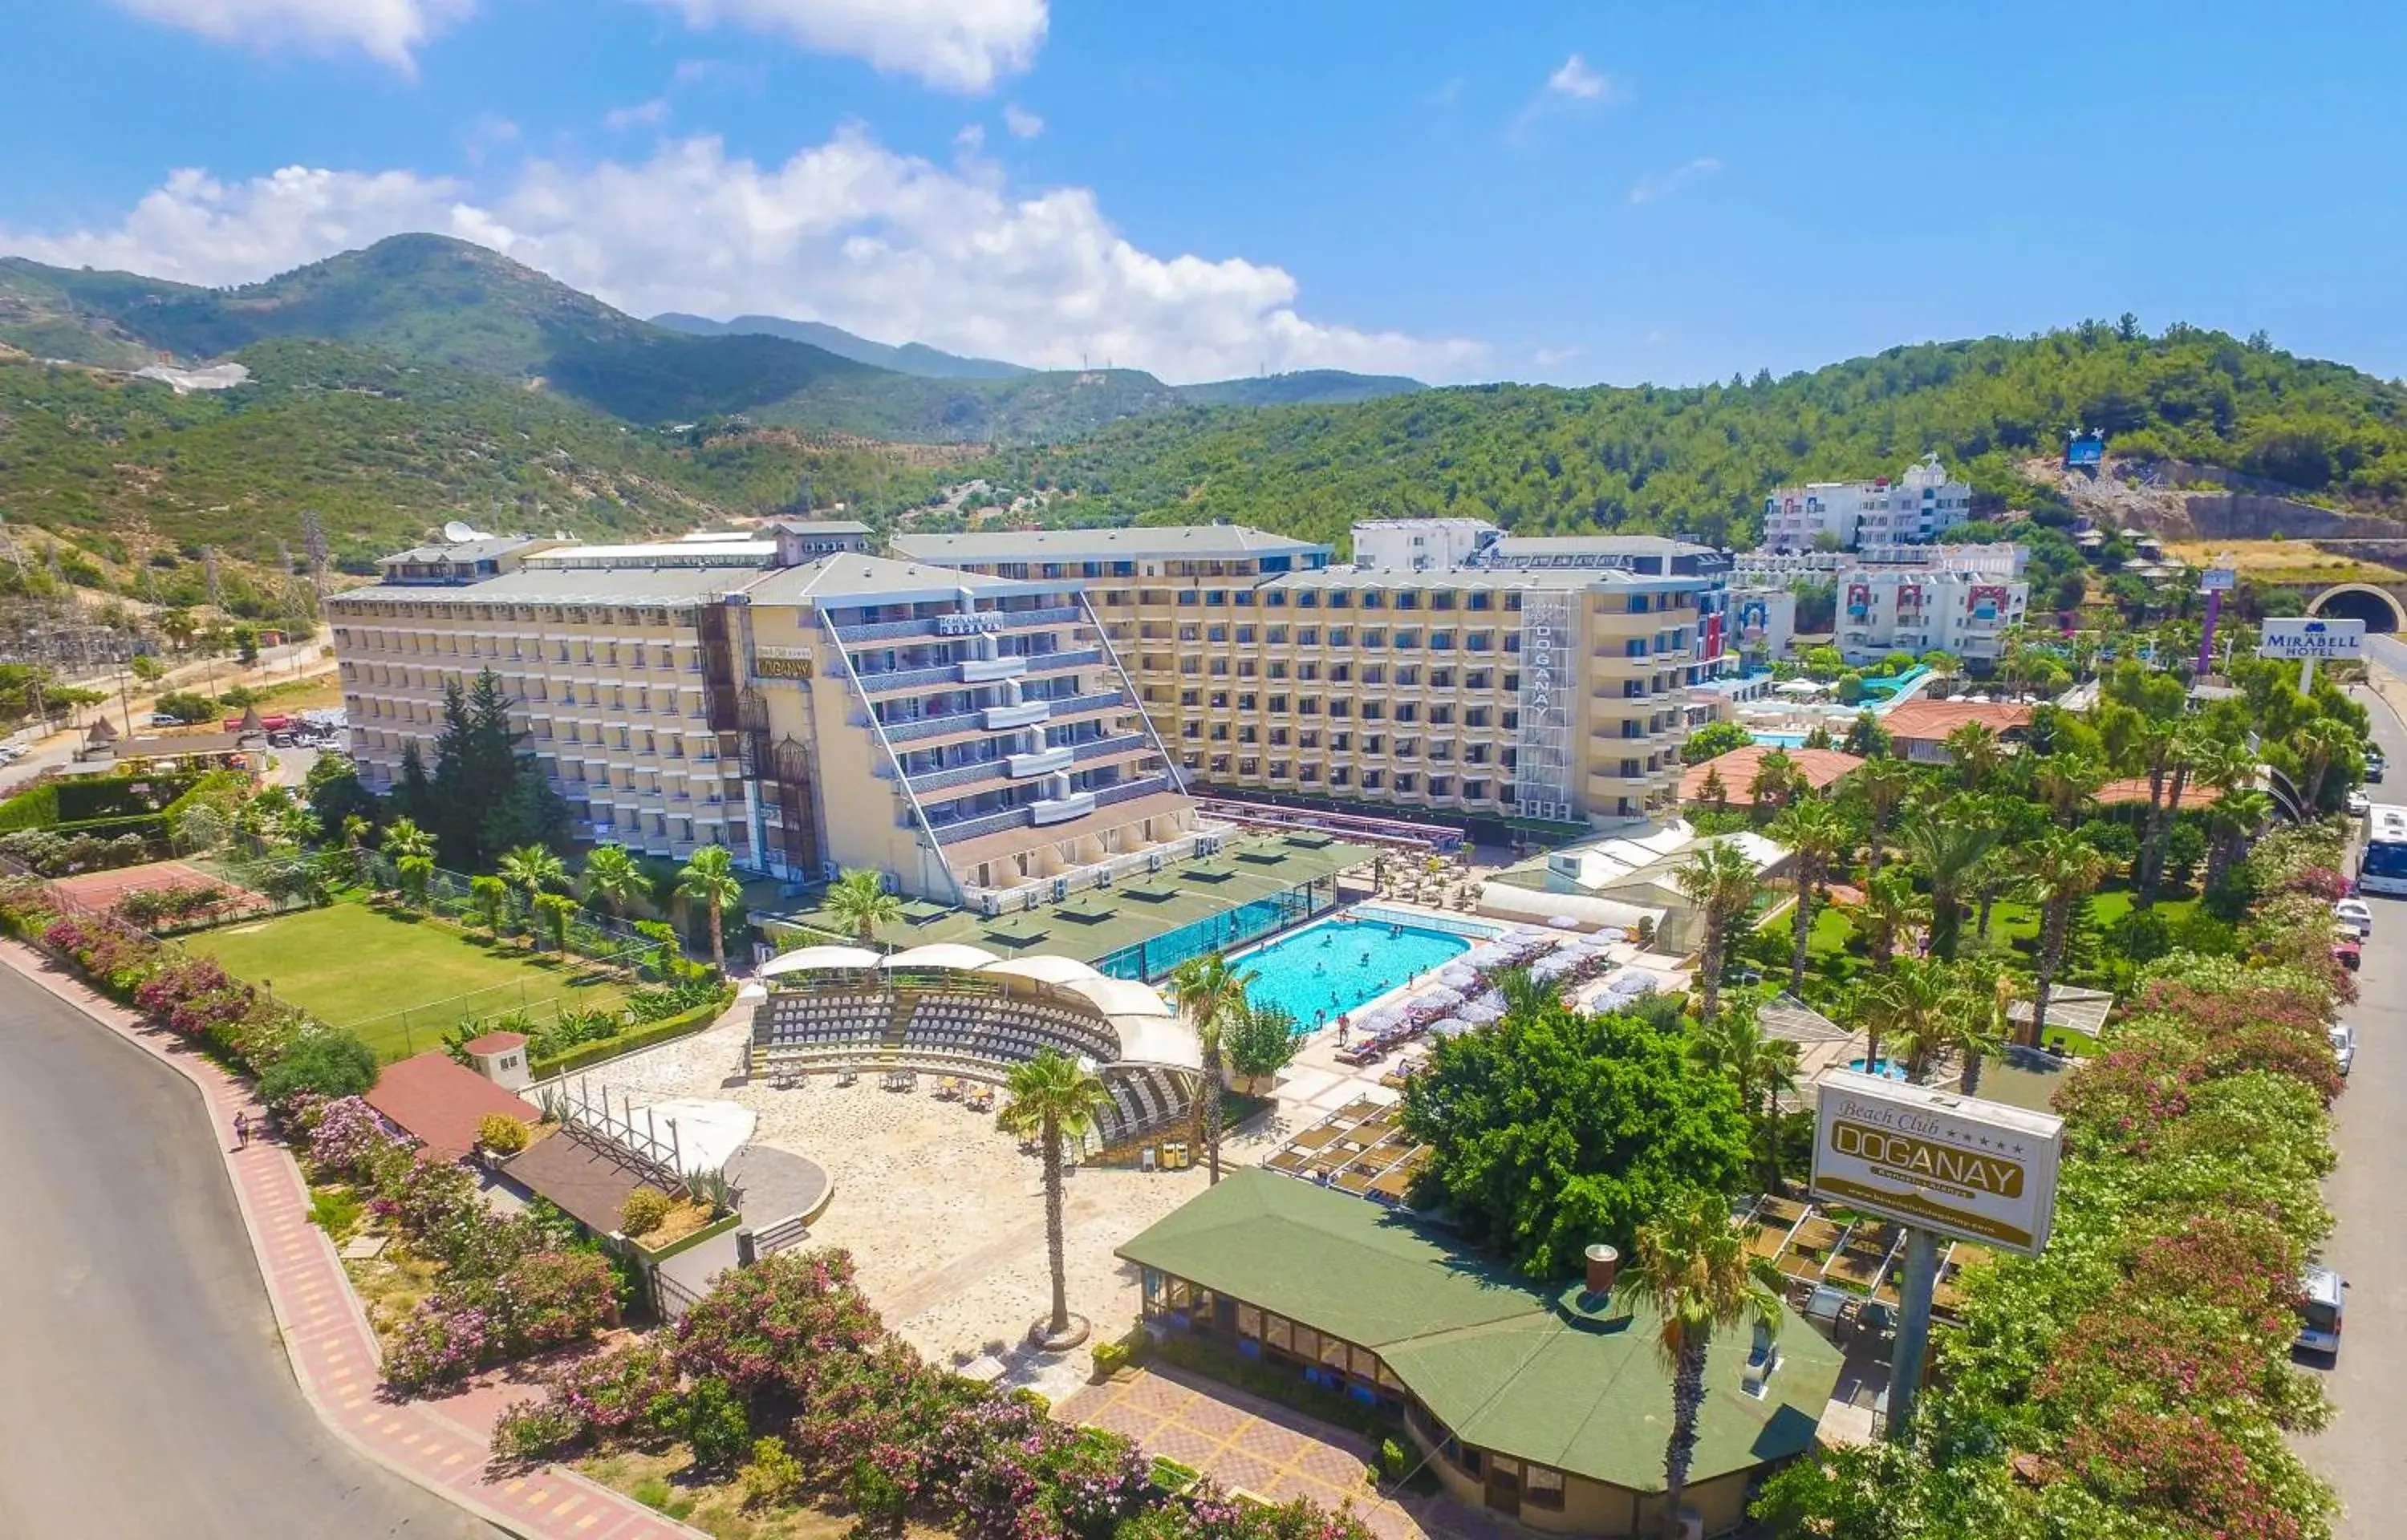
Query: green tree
pixel 1760 1065
pixel 1779 780
pixel 1690 1270
pixel 858 901
pixel 403 838
pixel 1713 740
pixel 708 879
pixel 146 669
pixel 1883 784
pixel 416 875
pixel 1907 1009
pixel 325 1063
pixel 490 895
pixel 1973 749
pixel 2062 870
pixel 1720 880
pixel 1866 738
pixel 552 913
pixel 1947 848
pixel 1209 993
pixel 1051 1099
pixel 2320 744
pixel 612 878
pixel 2066 781
pixel 1816 836
pixel 534 870
pixel 1259 1039
pixel 1552 1129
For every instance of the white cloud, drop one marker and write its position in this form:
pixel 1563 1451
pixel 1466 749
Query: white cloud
pixel 957 45
pixel 1578 81
pixel 1662 184
pixel 388 30
pixel 651 114
pixel 849 232
pixel 971 139
pixel 1022 123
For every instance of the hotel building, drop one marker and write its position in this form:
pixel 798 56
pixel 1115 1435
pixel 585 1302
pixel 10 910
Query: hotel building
pixel 969 735
pixel 1919 506
pixel 1449 671
pixel 1889 598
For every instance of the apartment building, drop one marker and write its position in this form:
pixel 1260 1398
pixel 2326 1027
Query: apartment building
pixel 1922 504
pixel 972 736
pixel 1912 598
pixel 1495 692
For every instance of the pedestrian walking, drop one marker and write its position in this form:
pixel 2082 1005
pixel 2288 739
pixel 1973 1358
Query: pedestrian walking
pixel 242 1130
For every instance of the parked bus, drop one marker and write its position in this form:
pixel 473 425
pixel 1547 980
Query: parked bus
pixel 2383 867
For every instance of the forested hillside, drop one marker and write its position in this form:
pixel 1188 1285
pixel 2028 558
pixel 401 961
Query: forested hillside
pixel 383 451
pixel 1699 460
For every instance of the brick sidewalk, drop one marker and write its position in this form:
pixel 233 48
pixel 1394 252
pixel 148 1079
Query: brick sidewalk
pixel 327 1335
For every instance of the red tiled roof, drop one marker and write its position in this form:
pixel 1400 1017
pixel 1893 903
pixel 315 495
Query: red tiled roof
pixel 441 1103
pixel 1738 767
pixel 496 1042
pixel 1920 721
pixel 2120 793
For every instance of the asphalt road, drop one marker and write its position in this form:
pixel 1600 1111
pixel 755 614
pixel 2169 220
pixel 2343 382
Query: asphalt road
pixel 2362 1451
pixel 145 1391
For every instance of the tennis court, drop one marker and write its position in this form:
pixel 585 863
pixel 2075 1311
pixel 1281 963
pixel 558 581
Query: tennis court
pixel 102 889
pixel 399 981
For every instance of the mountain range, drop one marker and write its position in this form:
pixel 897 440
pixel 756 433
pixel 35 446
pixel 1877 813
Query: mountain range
pixel 431 299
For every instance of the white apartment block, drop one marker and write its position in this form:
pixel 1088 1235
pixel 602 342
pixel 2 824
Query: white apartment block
pixel 1914 598
pixel 1918 506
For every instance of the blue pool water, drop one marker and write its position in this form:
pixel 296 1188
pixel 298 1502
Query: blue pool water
pixel 1890 1070
pixel 1336 964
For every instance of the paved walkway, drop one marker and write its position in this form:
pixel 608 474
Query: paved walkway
pixel 334 1352
pixel 1248 1444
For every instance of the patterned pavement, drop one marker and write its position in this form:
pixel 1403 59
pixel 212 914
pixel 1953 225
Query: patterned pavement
pixel 1248 1444
pixel 327 1335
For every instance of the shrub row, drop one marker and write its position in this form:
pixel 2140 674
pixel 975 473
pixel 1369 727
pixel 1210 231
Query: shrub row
pixel 785 1367
pixel 2135 1380
pixel 633 1037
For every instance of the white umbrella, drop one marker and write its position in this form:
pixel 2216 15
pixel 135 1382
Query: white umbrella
pixel 1459 977
pixel 1440 997
pixel 1563 922
pixel 1481 1012
pixel 1449 1027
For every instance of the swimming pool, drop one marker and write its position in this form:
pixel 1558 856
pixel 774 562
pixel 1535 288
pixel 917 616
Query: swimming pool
pixel 1337 965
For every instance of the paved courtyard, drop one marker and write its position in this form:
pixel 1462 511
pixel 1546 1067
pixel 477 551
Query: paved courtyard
pixel 1246 1444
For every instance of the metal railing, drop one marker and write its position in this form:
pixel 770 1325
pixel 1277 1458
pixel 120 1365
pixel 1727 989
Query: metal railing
pixel 1009 620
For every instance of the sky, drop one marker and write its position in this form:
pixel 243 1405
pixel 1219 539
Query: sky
pixel 1571 193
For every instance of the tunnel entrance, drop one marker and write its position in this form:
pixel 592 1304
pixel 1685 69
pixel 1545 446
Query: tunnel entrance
pixel 2360 601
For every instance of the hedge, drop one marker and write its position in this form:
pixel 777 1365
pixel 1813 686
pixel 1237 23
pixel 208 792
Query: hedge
pixel 586 1054
pixel 36 807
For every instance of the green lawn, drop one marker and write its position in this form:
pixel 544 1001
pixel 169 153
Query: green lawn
pixel 399 982
pixel 2016 924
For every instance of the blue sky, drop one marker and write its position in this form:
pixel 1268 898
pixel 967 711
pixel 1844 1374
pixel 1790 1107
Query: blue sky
pixel 1531 191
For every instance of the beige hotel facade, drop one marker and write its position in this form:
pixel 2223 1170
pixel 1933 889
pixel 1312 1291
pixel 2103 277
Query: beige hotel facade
pixel 987 716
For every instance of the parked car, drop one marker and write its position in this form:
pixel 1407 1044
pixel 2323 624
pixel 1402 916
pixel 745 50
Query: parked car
pixel 2343 1042
pixel 2373 765
pixel 165 719
pixel 2325 1293
pixel 2357 804
pixel 2347 954
pixel 2355 916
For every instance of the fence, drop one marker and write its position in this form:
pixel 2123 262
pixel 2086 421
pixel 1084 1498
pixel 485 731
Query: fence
pixel 1153 957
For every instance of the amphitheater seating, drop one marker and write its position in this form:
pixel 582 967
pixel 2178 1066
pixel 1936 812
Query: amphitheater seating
pixel 1144 1100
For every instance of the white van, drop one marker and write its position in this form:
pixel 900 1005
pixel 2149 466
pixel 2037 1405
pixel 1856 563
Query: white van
pixel 2319 1312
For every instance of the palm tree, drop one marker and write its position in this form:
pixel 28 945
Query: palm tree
pixel 1882 783
pixel 1815 836
pixel 177 626
pixel 859 900
pixel 1762 1066
pixel 2062 869
pixel 2319 744
pixel 1908 1006
pixel 355 839
pixel 2066 780
pixel 490 895
pixel 2234 819
pixel 1050 1098
pixel 414 873
pixel 2181 755
pixel 1890 909
pixel 551 912
pixel 612 877
pixel 1976 753
pixel 1720 879
pixel 1692 1269
pixel 1993 877
pixel 533 868
pixel 404 838
pixel 708 879
pixel 1778 777
pixel 1711 790
pixel 1208 991
pixel 1946 849
pixel 1973 1022
pixel 1525 995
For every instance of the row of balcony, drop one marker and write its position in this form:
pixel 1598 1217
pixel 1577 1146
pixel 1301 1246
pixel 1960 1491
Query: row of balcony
pixel 1048 810
pixel 995 718
pixel 1020 767
pixel 977 670
pixel 983 621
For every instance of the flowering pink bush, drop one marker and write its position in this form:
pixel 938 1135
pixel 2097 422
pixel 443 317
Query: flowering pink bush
pixel 345 1130
pixel 438 1346
pixel 769 1330
pixel 552 1298
pixel 2179 1463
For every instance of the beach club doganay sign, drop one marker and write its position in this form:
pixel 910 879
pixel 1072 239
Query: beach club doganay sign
pixel 1919 1155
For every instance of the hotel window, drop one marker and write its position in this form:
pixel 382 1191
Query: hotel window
pixel 1541 1488
pixel 1405 782
pixel 1341 598
pixel 1249 1320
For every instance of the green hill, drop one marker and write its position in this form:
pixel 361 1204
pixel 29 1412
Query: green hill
pixel 910 358
pixel 384 451
pixel 1699 459
pixel 1305 387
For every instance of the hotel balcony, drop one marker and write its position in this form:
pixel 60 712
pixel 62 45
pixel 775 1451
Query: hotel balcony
pixel 986 670
pixel 1026 713
pixel 1061 809
pixel 1041 761
pixel 988 622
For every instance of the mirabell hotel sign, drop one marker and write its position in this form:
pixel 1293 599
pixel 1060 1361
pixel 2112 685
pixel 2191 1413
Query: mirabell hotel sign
pixel 1976 1170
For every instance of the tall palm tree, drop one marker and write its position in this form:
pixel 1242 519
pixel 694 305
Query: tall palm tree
pixel 2066 780
pixel 1946 849
pixel 1907 1007
pixel 1209 992
pixel 1975 752
pixel 1720 879
pixel 1882 783
pixel 708 879
pixel 552 914
pixel 1778 778
pixel 1815 836
pixel 1690 1267
pixel 1973 1024
pixel 859 900
pixel 533 870
pixel 2181 756
pixel 2319 745
pixel 2234 819
pixel 1762 1066
pixel 612 877
pixel 1891 907
pixel 355 839
pixel 403 838
pixel 1052 1098
pixel 415 875
pixel 2062 869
